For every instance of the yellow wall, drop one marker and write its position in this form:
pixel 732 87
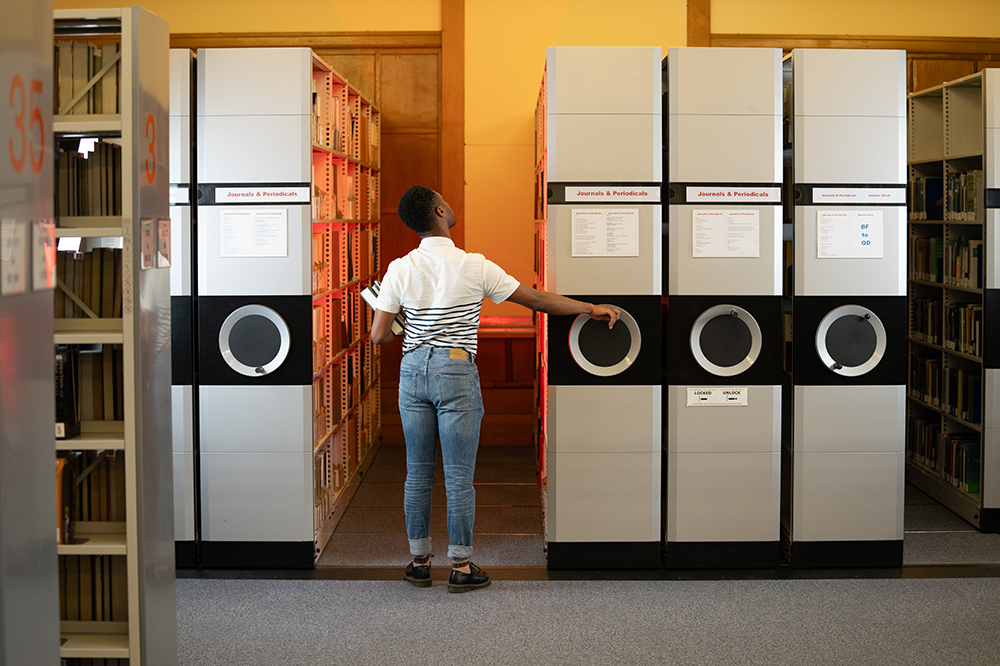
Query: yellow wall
pixel 504 60
pixel 294 16
pixel 924 18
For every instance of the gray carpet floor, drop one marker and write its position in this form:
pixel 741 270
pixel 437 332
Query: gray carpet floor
pixel 934 535
pixel 794 622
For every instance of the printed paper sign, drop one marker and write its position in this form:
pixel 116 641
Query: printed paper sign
pixel 14 258
pixel 255 233
pixel 849 235
pixel 725 233
pixel 878 195
pixel 717 397
pixel 262 194
pixel 163 243
pixel 147 243
pixel 724 194
pixel 43 250
pixel 605 232
pixel 613 193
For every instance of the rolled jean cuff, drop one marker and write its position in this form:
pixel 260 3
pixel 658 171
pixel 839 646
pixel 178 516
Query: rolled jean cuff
pixel 420 547
pixel 459 553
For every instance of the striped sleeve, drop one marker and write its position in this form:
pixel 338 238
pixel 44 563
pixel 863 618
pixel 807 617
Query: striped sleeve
pixel 388 298
pixel 497 285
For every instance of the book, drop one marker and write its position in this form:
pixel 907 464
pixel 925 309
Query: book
pixel 65 479
pixel 67 362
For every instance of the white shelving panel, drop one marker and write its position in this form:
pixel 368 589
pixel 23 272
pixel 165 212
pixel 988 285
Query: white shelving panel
pixel 125 530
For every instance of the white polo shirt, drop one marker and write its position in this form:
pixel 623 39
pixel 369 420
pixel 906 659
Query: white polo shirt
pixel 440 290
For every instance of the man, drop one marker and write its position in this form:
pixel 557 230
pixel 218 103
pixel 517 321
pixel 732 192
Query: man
pixel 440 290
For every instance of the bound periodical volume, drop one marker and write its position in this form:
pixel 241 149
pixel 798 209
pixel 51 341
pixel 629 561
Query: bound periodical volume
pixel 927 198
pixel 89 184
pixel 67 364
pixel 965 394
pixel 89 283
pixel 927 259
pixel 962 193
pixel 963 263
pixel 927 316
pixel 963 328
pixel 926 383
pixel 962 462
pixel 87 78
pixel 924 441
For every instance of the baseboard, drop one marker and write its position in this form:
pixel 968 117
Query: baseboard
pixel 989 521
pixel 257 554
pixel 605 555
pixel 723 555
pixel 185 554
pixel 846 554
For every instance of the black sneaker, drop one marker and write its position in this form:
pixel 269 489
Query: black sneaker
pixel 419 576
pixel 466 582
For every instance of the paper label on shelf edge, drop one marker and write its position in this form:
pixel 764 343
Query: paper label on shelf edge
pixel 605 232
pixel 613 193
pixel 262 194
pixel 14 257
pixel 725 233
pixel 254 233
pixel 849 234
pixel 717 397
pixel 874 195
pixel 730 194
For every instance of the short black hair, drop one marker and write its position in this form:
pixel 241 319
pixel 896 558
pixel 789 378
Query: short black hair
pixel 416 208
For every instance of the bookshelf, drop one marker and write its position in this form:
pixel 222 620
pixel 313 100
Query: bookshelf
pixel 951 398
pixel 29 580
pixel 322 173
pixel 112 328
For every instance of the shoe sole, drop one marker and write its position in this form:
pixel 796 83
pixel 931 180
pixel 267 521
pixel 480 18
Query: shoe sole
pixel 458 589
pixel 418 583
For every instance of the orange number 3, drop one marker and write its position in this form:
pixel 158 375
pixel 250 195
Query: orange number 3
pixel 151 160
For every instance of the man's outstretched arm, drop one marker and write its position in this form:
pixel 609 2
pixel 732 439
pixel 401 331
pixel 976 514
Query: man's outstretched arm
pixel 554 304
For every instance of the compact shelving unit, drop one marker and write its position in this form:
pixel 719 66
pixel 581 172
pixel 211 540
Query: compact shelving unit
pixel 952 428
pixel 117 598
pixel 29 580
pixel 301 144
pixel 601 489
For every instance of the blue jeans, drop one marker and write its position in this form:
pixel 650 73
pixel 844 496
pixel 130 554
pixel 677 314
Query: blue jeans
pixel 440 396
